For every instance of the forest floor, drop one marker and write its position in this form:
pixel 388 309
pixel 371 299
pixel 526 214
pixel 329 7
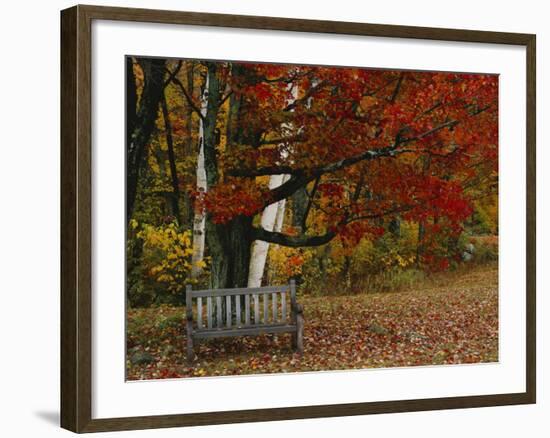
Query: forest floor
pixel 449 319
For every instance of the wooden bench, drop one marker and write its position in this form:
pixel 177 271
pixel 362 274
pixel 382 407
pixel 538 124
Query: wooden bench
pixel 274 317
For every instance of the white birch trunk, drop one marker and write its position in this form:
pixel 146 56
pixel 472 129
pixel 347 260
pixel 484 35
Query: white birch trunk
pixel 281 210
pixel 259 247
pixel 272 220
pixel 199 221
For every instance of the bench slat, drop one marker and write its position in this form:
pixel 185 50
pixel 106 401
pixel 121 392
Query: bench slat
pixel 256 309
pixel 199 312
pixel 228 311
pixel 209 311
pixel 247 309
pixel 283 306
pixel 292 302
pixel 274 308
pixel 242 290
pixel 238 310
pixel 219 321
pixel 266 304
pixel 253 330
pixel 260 317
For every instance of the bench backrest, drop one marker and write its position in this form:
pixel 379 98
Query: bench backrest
pixel 274 306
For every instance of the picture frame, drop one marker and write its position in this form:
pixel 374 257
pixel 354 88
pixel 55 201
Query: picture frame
pixel 77 170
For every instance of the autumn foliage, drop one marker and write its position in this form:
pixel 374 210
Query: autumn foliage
pixel 422 146
pixel 360 180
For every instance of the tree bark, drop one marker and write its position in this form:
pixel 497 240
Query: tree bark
pixel 230 248
pixel 346 271
pixel 209 125
pixel 281 208
pixel 272 220
pixel 420 242
pixel 199 220
pixel 171 160
pixel 230 244
pixel 189 122
pixel 394 227
pixel 261 247
pixel 309 203
pixel 224 240
pixel 189 148
pixel 299 205
pixel 131 98
pixel 141 123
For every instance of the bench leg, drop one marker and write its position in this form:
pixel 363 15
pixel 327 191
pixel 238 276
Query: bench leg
pixel 299 333
pixel 190 350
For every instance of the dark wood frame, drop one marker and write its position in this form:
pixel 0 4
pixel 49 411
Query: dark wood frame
pixel 76 218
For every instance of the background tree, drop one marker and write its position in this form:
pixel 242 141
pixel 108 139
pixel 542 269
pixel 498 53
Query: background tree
pixel 141 115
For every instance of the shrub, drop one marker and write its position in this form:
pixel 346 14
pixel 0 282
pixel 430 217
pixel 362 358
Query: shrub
pixel 159 263
pixel 485 248
pixel 373 264
pixel 393 280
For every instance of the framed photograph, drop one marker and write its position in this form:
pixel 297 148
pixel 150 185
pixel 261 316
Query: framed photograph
pixel 270 218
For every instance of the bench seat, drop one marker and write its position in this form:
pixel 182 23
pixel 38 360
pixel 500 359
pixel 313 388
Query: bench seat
pixel 243 331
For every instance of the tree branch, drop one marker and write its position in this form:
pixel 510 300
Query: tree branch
pixel 311 196
pixel 292 241
pixel 305 97
pixel 264 171
pixel 390 212
pixel 227 96
pixel 293 138
pixel 397 88
pixel 189 99
pixel 172 75
pixel 448 124
pixel 303 240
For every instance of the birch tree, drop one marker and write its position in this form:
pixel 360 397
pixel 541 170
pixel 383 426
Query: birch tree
pixel 199 220
pixel 272 220
pixel 268 222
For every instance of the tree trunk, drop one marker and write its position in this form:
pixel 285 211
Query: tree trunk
pixel 394 227
pixel 299 205
pixel 172 161
pixel 426 162
pixel 141 123
pixel 219 237
pixel 279 220
pixel 230 244
pixel 199 220
pixel 209 125
pixel 259 247
pixel 346 270
pixel 272 220
pixel 189 122
pixel 230 248
pixel 131 99
pixel 420 242
pixel 189 148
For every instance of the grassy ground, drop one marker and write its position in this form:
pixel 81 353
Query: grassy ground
pixel 451 318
